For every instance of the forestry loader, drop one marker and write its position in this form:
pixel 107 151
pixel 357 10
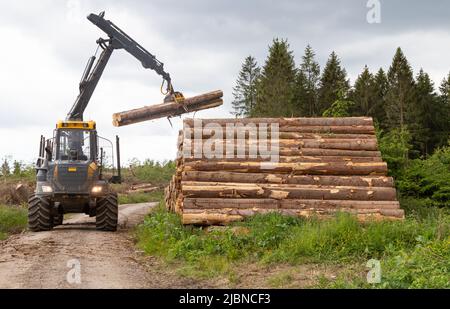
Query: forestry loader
pixel 70 166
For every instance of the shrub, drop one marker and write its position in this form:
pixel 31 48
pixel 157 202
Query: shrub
pixel 12 220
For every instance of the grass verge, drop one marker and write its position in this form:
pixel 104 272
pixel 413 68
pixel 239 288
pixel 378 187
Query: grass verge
pixel 134 198
pixel 12 220
pixel 413 253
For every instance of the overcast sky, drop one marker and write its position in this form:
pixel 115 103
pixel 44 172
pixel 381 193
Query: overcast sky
pixel 45 45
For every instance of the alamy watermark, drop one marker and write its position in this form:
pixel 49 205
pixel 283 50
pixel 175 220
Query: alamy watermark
pixel 374 274
pixel 232 140
pixel 73 276
pixel 374 14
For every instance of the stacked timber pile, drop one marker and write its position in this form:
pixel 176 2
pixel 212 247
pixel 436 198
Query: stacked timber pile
pixel 325 165
pixel 169 109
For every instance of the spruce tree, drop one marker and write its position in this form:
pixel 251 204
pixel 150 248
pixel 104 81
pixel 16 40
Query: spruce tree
pixel 380 87
pixel 276 86
pixel 333 80
pixel 363 94
pixel 445 90
pixel 441 133
pixel 424 114
pixel 244 93
pixel 400 93
pixel 307 85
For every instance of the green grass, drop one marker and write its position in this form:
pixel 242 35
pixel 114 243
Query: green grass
pixel 12 220
pixel 134 198
pixel 157 173
pixel 272 239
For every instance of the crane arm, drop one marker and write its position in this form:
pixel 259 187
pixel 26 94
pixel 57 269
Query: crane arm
pixel 122 40
pixel 117 40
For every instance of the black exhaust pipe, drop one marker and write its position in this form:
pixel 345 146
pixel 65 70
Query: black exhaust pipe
pixel 119 171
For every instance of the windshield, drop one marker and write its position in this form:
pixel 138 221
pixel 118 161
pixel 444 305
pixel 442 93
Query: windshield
pixel 73 145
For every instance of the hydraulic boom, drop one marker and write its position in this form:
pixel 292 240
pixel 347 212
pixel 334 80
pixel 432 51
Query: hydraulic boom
pixel 118 39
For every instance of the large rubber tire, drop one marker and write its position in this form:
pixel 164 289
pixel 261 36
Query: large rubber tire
pixel 107 213
pixel 39 214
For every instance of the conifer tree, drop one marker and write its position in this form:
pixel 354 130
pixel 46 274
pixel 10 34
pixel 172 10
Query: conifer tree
pixel 333 80
pixel 424 114
pixel 244 93
pixel 307 85
pixel 363 94
pixel 380 86
pixel 400 93
pixel 276 86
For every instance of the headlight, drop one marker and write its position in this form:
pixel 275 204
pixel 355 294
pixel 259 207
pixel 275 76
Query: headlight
pixel 47 189
pixel 97 189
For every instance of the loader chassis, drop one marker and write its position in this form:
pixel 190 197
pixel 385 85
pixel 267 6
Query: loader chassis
pixel 70 180
pixel 69 168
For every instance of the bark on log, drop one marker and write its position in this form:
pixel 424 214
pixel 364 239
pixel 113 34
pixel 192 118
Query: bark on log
pixel 343 144
pixel 221 176
pixel 287 159
pixel 142 190
pixel 325 129
pixel 319 121
pixel 141 186
pixel 23 192
pixel 204 101
pixel 203 133
pixel 286 151
pixel 335 168
pixel 285 191
pixel 217 203
pixel 218 216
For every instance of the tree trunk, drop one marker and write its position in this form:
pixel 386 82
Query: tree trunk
pixel 343 144
pixel 268 203
pixel 320 121
pixel 290 151
pixel 285 191
pixel 204 101
pixel 287 159
pixel 334 168
pixel 220 216
pixel 222 176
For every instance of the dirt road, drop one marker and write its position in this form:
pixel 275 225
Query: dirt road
pixel 105 259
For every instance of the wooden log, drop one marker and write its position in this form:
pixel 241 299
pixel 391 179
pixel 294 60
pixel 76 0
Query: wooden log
pixel 334 168
pixel 289 151
pixel 330 129
pixel 285 191
pixel 203 133
pixel 141 186
pixel 268 203
pixel 367 130
pixel 142 190
pixel 343 144
pixel 200 102
pixel 226 216
pixel 318 121
pixel 357 181
pixel 286 159
pixel 22 192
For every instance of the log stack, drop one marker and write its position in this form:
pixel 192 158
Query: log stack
pixel 325 165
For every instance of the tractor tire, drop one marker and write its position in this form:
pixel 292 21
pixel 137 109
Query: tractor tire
pixel 39 214
pixel 107 213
